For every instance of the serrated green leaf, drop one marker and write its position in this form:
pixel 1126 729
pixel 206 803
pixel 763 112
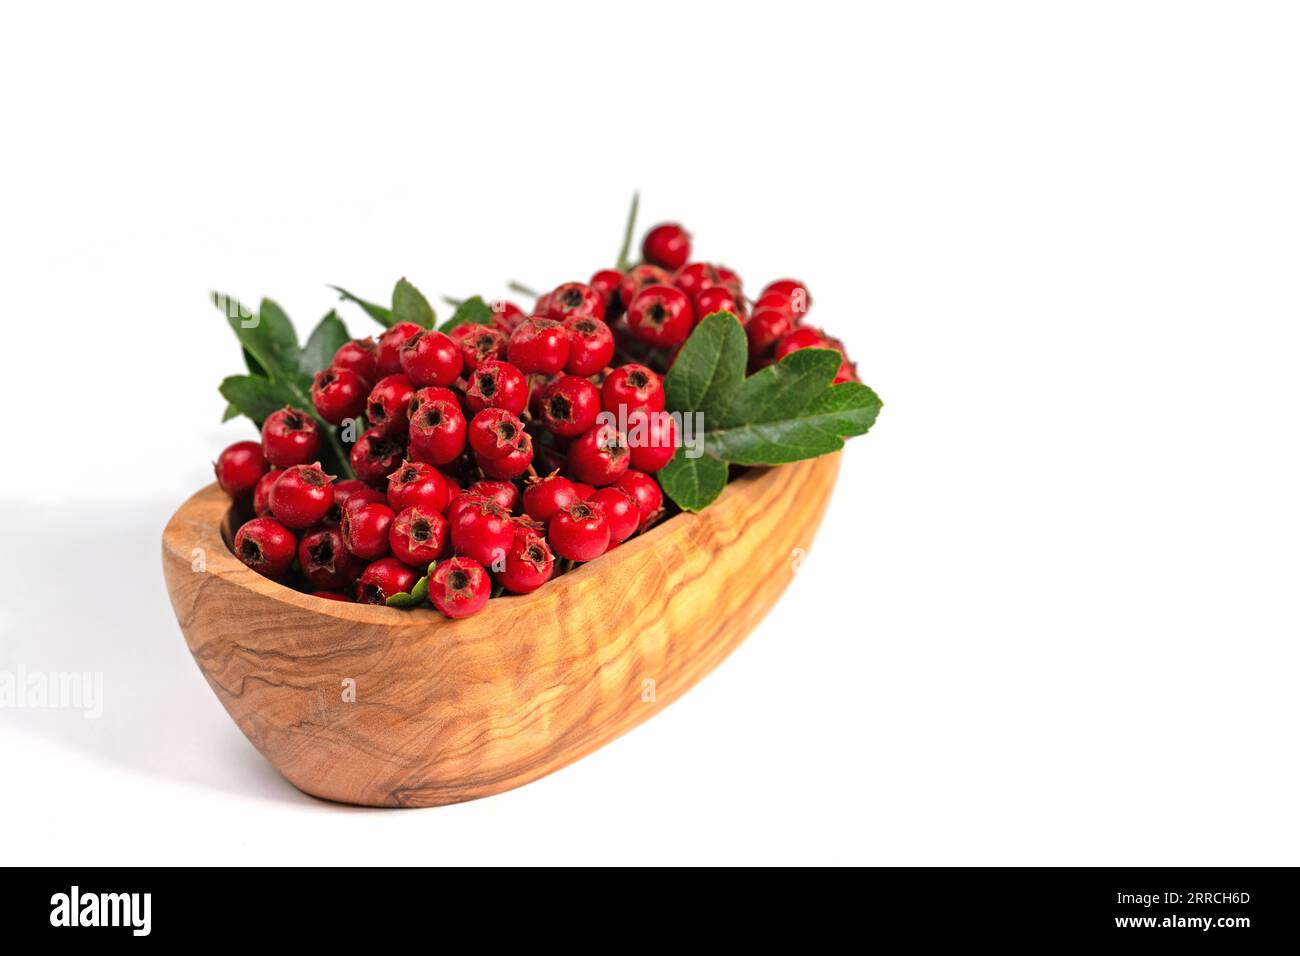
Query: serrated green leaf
pixel 693 482
pixel 327 338
pixel 710 367
pixel 267 335
pixel 472 311
pixel 410 305
pixel 230 412
pixel 255 396
pixel 418 594
pixel 377 312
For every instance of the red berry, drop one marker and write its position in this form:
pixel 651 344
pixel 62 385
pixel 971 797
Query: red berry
pixel 591 345
pixel 433 393
pixel 651 439
pixel 262 494
pixel 325 560
pixel 538 345
pixel 331 596
pixel 579 532
pixel 599 456
pixel 529 563
pixel 805 337
pixel 382 579
pixel 791 291
pixel 437 432
pixel 504 493
pixel 545 496
pixel 418 536
pixel 375 455
pixel 386 407
pixel 776 302
pixel 719 299
pixel 466 499
pixel 431 358
pixel 266 546
pixel 301 496
pixel 641 277
pixel 495 433
pixel 388 356
pixel 417 484
pixel 695 277
pixel 606 283
pixel 459 587
pixel 290 437
pixel 359 356
pixel 575 298
pixel 668 246
pixel 661 315
pixel 339 393
pixel 481 529
pixel 621 512
pixel 365 528
pixel 350 489
pixel 649 496
pixel 240 468
pixel 496 384
pixel 584 490
pixel 765 328
pixel 505 316
pixel 512 465
pixel 569 406
pixel 632 386
pixel 480 343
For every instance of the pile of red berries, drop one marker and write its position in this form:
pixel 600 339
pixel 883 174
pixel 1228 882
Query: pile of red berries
pixel 496 454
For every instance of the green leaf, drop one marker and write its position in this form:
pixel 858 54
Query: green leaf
pixel 327 338
pixel 377 312
pixel 693 482
pixel 710 367
pixel 410 305
pixel 230 412
pixel 255 396
pixel 267 335
pixel 418 594
pixel 473 310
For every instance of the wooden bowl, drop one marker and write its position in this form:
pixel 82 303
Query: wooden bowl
pixel 445 710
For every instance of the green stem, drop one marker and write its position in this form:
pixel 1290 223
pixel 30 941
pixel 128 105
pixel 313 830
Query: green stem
pixel 454 303
pixel 623 262
pixel 522 289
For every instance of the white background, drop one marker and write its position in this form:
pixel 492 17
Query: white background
pixel 1052 615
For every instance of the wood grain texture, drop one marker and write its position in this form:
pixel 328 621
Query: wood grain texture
pixel 448 711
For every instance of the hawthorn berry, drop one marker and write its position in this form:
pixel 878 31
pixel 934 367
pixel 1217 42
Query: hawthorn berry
pixel 350 489
pixel 606 283
pixel 301 496
pixel 584 490
pixel 240 468
pixel 266 546
pixel 591 345
pixel 459 587
pixel 290 437
pixel 418 536
pixel 719 299
pixel 480 343
pixel 651 439
pixel 430 357
pixel 360 356
pixel 641 277
pixel 388 355
pixel 621 511
pixel 545 496
pixel 374 455
pixel 418 484
pixel 765 328
pixel 572 299
pixel 365 527
pixel 262 493
pixel 496 384
pixel 661 315
pixel 632 386
pixel 529 563
pixel 538 345
pixel 505 316
pixel 504 493
pixel 338 394
pixel 481 529
pixel 804 337
pixel 580 532
pixel 437 432
pixel 790 291
pixel 649 496
pixel 694 277
pixel 511 465
pixel 495 433
pixel 387 405
pixel 569 406
pixel 325 560
pixel 599 456
pixel 382 579
pixel 667 245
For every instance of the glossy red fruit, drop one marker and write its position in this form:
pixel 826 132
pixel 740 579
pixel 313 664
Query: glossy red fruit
pixel 569 406
pixel 775 302
pixel 495 433
pixel 765 328
pixel 661 315
pixel 350 489
pixel 538 345
pixel 621 512
pixel 693 278
pixel 792 292
pixel 382 579
pixel 464 500
pixel 504 493
pixel 266 546
pixel 641 277
pixel 584 490
pixel 430 357
pixel 719 299
pixel 599 456
pixel 240 467
pixel 529 563
pixel 651 439
pixel 388 355
pixel 606 283
pixel 805 337
pixel 418 484
pixel 575 298
pixel 290 437
pixel 338 394
pixel 437 431
pixel 480 343
pixel 579 532
pixel 512 465
pixel 459 587
pixel 262 493
pixel 505 316
pixel 386 407
pixel 649 496
pixel 434 393
pixel 545 496
pixel 365 527
pixel 418 537
pixel 729 280
pixel 374 456
pixel 360 356
pixel 481 529
pixel 496 384
pixel 301 496
pixel 667 246
pixel 632 386
pixel 325 560
pixel 591 345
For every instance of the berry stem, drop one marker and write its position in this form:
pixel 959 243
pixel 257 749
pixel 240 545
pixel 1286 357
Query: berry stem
pixel 522 289
pixel 623 262
pixel 454 303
